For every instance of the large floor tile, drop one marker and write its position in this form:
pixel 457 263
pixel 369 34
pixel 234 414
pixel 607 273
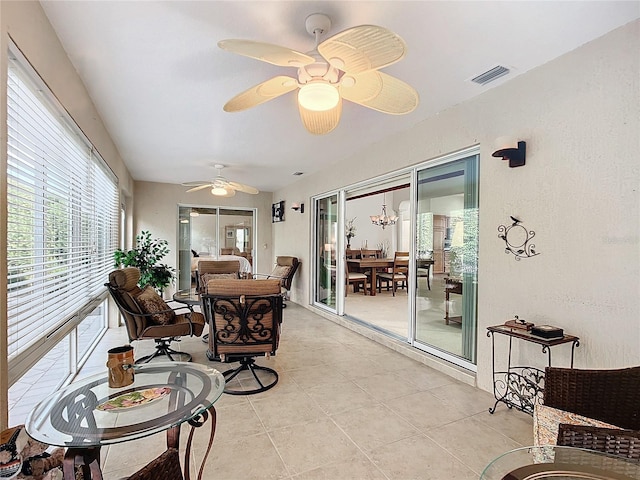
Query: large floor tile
pixel 487 443
pixel 311 445
pixel 340 397
pixel 358 467
pixel 374 426
pixel 419 458
pixel 425 411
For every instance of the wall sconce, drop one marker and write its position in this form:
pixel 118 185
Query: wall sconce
pixel 298 207
pixel 516 156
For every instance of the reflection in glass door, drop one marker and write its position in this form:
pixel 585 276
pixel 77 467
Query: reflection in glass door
pixel 205 233
pixel 446 259
pixel 325 245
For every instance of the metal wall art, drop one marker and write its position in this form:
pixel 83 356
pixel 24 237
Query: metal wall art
pixel 277 212
pixel 518 240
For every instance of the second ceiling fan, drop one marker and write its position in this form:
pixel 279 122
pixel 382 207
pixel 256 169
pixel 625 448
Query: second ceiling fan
pixel 345 66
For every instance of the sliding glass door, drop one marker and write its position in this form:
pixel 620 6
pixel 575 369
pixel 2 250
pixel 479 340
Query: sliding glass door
pixel 446 259
pixel 209 232
pixel 325 247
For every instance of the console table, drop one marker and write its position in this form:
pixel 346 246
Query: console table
pixel 522 387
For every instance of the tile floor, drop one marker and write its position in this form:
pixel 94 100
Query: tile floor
pixel 345 408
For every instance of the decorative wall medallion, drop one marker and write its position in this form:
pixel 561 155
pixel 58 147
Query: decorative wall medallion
pixel 518 240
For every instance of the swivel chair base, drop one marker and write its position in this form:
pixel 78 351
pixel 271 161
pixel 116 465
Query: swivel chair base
pixel 268 380
pixel 163 348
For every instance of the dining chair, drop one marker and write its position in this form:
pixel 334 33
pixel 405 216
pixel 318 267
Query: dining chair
pixel 355 278
pixel 398 274
pixel 368 253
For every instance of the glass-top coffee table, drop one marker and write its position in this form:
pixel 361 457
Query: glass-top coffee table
pixel 87 414
pixel 567 463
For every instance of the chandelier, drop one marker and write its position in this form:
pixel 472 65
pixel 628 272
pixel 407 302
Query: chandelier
pixel 383 219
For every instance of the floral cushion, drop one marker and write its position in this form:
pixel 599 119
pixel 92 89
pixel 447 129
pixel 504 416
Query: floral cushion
pixel 150 302
pixel 547 419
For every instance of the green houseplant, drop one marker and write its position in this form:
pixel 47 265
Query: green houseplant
pixel 146 256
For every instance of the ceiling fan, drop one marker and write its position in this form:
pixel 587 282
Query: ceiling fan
pixel 220 186
pixel 343 67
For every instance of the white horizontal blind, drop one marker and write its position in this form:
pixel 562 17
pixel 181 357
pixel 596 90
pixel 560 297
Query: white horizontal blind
pixel 62 224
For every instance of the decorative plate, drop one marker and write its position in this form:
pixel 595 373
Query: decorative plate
pixel 134 399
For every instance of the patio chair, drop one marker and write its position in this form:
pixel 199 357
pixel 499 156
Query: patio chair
pixel 244 322
pixel 210 269
pixel 284 270
pixel 619 442
pixel 147 316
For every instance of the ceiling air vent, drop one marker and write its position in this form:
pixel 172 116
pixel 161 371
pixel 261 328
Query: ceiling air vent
pixel 297 174
pixel 490 75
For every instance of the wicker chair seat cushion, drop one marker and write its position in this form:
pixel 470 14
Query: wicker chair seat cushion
pixel 546 422
pixel 150 302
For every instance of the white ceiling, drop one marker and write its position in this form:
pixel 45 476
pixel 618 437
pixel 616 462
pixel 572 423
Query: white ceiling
pixel 159 80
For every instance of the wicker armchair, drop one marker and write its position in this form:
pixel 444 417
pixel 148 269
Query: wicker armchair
pixel 612 396
pixel 244 322
pixel 165 467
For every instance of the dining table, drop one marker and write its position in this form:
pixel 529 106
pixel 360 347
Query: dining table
pixel 372 265
pixel 88 414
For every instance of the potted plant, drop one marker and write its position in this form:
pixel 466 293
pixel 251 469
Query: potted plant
pixel 350 231
pixel 146 256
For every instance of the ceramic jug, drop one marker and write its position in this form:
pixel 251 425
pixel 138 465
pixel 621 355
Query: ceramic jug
pixel 120 364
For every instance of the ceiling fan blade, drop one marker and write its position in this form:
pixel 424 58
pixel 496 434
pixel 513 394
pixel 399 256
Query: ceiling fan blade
pixel 320 122
pixel 199 187
pixel 381 92
pixel 244 188
pixel 261 93
pixel 363 48
pixel 267 52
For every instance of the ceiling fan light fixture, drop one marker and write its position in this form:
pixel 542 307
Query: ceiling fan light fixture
pixel 219 191
pixel 318 96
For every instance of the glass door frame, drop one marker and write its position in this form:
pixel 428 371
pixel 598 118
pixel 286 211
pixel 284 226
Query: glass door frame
pixel 219 239
pixel 444 160
pixel 340 246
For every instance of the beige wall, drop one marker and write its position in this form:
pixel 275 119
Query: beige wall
pixel 579 115
pixel 156 210
pixel 27 25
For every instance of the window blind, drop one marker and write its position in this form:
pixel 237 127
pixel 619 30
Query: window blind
pixel 62 226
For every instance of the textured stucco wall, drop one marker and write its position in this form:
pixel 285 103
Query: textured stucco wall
pixel 579 115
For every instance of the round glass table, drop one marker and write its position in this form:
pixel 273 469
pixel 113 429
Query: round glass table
pixel 568 463
pixel 87 414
